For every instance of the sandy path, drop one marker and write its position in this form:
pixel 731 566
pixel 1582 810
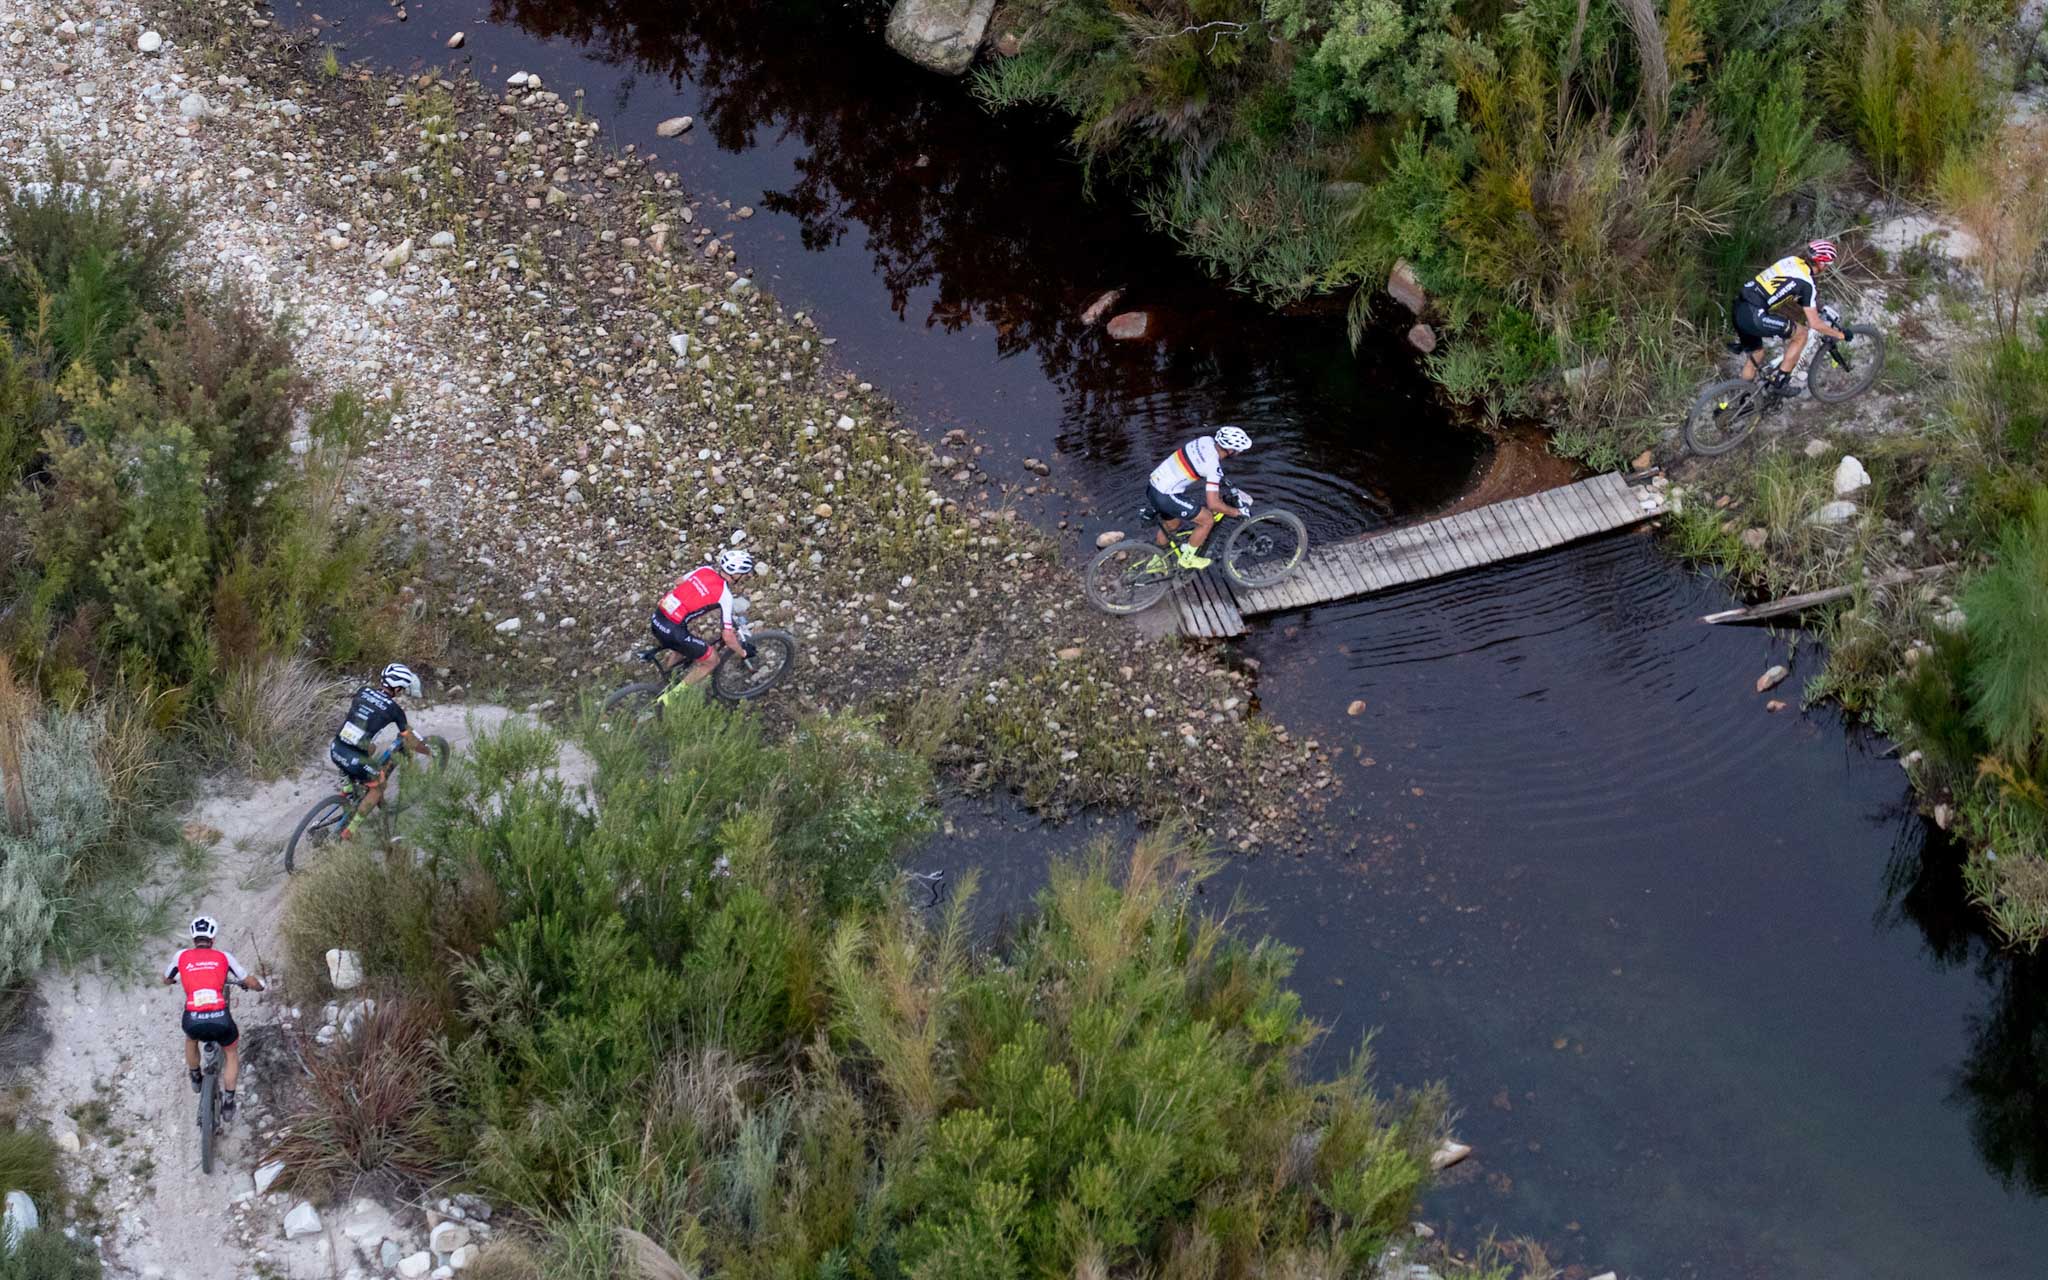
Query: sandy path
pixel 112 1074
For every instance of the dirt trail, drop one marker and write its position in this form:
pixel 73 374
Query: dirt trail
pixel 113 1078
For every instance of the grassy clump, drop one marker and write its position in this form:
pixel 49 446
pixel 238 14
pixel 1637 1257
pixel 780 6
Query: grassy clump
pixel 46 1255
pixel 699 1013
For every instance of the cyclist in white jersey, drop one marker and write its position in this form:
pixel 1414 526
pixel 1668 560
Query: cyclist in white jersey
pixel 1199 461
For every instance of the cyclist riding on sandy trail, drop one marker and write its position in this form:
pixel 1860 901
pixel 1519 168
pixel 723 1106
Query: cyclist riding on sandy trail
pixel 1783 299
pixel 206 973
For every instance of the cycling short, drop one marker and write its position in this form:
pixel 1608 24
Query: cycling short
pixel 218 1027
pixel 673 635
pixel 1174 506
pixel 352 763
pixel 1753 324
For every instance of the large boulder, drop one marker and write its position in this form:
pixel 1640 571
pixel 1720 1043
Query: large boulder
pixel 940 34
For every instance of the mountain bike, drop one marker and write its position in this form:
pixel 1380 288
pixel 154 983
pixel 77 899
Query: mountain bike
pixel 1727 412
pixel 1258 551
pixel 770 656
pixel 324 820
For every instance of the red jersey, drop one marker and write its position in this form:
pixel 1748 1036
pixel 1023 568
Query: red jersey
pixel 205 973
pixel 702 589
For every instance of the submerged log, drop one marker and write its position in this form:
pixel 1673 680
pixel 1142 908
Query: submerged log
pixel 1807 599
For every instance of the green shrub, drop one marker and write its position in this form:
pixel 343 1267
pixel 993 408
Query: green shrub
pixel 82 259
pixel 47 1255
pixel 1911 93
pixel 28 1162
pixel 2007 611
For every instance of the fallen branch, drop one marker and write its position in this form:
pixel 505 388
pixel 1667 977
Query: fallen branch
pixel 1807 599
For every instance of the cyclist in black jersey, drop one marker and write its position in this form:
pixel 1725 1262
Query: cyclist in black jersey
pixel 368 713
pixel 1767 304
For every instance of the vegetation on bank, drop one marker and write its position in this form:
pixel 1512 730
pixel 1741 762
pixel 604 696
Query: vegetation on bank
pixel 1577 186
pixel 694 1005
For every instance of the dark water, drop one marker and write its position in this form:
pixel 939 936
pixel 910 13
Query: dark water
pixel 1704 989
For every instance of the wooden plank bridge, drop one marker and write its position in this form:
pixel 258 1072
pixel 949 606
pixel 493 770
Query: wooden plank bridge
pixel 1210 606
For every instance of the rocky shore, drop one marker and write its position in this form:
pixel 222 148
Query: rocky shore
pixel 587 394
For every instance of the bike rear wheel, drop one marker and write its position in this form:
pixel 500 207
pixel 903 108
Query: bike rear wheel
pixel 1265 549
pixel 633 705
pixel 1724 415
pixel 209 1103
pixel 737 679
pixel 1843 370
pixel 321 825
pixel 1129 577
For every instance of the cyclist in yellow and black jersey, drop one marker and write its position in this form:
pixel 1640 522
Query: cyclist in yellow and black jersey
pixel 1782 300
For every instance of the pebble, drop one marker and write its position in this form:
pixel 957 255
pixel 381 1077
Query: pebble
pixel 443 240
pixel 150 42
pixel 1357 707
pixel 672 126
pixel 1108 538
pixel 243 174
pixel 509 626
pixel 303 1220
pixel 455 41
pixel 1772 678
pixel 192 106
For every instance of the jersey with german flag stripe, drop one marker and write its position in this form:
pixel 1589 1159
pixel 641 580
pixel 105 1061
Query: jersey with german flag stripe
pixel 1195 460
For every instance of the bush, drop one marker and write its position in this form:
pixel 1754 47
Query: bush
pixel 28 1162
pixel 371 1104
pixel 46 1255
pixel 272 711
pixel 2007 611
pixel 1912 94
pixel 1999 193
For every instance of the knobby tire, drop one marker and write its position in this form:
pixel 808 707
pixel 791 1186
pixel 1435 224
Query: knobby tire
pixel 1844 370
pixel 1280 534
pixel 319 826
pixel 1710 430
pixel 1114 581
pixel 732 682
pixel 642 700
pixel 209 1101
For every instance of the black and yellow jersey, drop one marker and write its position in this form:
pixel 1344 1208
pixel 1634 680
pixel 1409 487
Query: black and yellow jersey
pixel 1786 283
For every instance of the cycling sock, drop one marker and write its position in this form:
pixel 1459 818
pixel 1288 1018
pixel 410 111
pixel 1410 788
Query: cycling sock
pixel 192 1074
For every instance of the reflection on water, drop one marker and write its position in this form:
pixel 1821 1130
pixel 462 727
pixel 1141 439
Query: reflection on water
pixel 953 253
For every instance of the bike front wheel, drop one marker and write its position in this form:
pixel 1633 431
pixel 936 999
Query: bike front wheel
pixel 633 705
pixel 1128 577
pixel 321 824
pixel 1843 370
pixel 737 679
pixel 1724 416
pixel 209 1104
pixel 1265 549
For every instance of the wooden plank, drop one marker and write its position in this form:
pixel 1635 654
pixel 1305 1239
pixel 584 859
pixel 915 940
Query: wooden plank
pixel 1193 603
pixel 1568 514
pixel 1540 522
pixel 1507 537
pixel 1807 599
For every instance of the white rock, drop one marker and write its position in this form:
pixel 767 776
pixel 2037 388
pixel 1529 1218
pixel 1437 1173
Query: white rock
pixel 67 1142
pixel 1109 538
pixel 303 1220
pixel 571 476
pixel 399 255
pixel 672 126
pixel 378 297
pixel 845 423
pixel 455 41
pixel 563 624
pixel 243 174
pixel 267 1175
pixel 680 344
pixel 635 431
pixel 460 1258
pixel 507 627
pixel 1850 476
pixel 1837 512
pixel 416 1266
pixel 21 1219
pixel 517 79
pixel 150 42
pixel 1448 1154
pixel 1815 448
pixel 447 1237
pixel 344 970
pixel 192 106
pixel 443 240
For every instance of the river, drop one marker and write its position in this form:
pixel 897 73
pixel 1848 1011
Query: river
pixel 1703 986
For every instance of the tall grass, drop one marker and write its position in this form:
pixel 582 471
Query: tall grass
pixel 1998 192
pixel 2007 611
pixel 1912 94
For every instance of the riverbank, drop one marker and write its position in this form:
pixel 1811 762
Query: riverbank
pixel 587 396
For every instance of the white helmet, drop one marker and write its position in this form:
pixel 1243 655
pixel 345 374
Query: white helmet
pixel 734 563
pixel 1233 439
pixel 400 676
pixel 205 927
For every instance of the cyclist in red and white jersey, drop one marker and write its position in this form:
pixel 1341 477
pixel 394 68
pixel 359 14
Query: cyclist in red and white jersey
pixel 1199 461
pixel 206 972
pixel 699 591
